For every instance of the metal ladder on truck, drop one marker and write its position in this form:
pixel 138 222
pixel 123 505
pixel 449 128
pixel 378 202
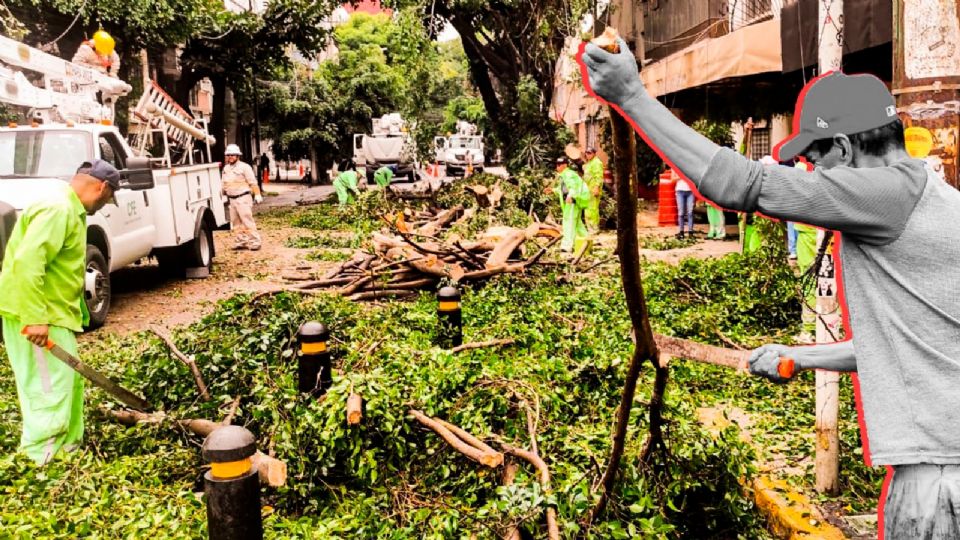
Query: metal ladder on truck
pixel 157 114
pixel 56 90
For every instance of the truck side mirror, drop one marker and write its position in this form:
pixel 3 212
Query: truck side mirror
pixel 138 175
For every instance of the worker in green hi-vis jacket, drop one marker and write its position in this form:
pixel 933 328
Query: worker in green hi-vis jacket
pixel 42 301
pixel 593 176
pixel 574 197
pixel 346 185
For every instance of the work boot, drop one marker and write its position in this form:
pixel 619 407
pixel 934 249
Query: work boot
pixel 679 235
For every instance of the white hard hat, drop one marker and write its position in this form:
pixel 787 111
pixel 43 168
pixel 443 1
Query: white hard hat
pixel 232 150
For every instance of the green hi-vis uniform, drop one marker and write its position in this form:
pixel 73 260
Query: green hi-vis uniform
pixel 383 176
pixel 718 225
pixel 42 284
pixel 574 230
pixel 346 186
pixel 593 176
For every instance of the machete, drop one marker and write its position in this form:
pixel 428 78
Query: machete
pixel 123 395
pixel 684 348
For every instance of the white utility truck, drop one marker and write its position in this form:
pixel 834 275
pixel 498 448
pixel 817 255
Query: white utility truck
pixel 461 153
pixel 167 207
pixel 390 144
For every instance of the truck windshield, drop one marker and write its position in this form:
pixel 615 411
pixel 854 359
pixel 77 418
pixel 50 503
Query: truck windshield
pixel 465 142
pixel 42 153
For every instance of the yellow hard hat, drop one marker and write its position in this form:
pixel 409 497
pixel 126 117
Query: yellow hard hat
pixel 103 43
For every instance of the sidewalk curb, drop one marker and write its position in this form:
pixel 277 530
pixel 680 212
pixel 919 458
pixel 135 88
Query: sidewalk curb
pixel 788 513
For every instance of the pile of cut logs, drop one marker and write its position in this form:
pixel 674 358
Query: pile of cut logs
pixel 413 258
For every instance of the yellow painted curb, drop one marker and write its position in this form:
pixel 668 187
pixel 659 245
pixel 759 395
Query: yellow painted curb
pixel 789 513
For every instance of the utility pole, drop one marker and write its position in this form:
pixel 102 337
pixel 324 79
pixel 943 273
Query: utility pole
pixel 827 464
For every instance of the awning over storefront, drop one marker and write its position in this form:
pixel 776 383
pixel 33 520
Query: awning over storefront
pixel 748 51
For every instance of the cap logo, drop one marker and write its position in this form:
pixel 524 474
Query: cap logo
pixel 821 123
pixel 891 110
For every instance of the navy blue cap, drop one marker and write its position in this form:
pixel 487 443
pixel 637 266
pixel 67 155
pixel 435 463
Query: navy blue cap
pixel 101 170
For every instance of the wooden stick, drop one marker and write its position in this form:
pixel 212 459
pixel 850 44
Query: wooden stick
pixel 553 531
pixel 469 438
pixel 319 284
pixel 383 293
pixel 354 409
pixel 491 460
pixel 483 344
pixel 227 420
pixel 189 362
pixel 510 469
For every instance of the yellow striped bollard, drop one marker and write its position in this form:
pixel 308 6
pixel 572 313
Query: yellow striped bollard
pixel 449 318
pixel 232 487
pixel 313 368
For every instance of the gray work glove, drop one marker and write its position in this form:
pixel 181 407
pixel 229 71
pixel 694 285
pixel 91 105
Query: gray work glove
pixel 612 77
pixel 765 360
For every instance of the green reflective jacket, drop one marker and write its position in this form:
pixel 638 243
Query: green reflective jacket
pixel 43 266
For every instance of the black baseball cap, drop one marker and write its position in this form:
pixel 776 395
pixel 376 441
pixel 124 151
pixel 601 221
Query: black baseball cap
pixel 561 160
pixel 838 103
pixel 101 170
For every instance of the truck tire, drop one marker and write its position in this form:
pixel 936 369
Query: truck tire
pixel 96 287
pixel 198 253
pixel 370 172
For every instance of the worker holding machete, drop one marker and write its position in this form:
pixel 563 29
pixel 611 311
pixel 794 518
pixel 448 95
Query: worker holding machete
pixel 898 222
pixel 42 284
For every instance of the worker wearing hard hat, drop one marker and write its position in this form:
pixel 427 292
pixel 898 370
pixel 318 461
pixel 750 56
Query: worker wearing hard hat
pixel 240 187
pixel 99 54
pixel 42 302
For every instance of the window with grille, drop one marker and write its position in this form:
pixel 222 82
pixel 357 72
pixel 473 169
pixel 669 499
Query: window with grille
pixel 760 144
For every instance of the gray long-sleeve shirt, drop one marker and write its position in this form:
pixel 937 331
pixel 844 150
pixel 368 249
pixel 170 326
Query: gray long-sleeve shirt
pixel 900 252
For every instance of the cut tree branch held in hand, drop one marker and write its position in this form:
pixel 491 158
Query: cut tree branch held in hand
pixel 645 349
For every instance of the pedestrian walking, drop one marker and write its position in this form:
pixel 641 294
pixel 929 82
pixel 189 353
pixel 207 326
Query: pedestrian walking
pixel 684 206
pixel 42 282
pixel 263 169
pixel 898 224
pixel 241 188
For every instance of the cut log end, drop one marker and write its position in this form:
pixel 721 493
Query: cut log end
pixel 354 409
pixel 272 471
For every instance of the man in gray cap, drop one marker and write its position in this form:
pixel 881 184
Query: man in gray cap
pixel 898 222
pixel 42 284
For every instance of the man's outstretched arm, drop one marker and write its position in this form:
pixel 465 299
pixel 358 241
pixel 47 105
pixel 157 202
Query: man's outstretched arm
pixel 874 205
pixel 832 357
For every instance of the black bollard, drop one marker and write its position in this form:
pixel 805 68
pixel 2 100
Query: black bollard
pixel 313 368
pixel 449 318
pixel 231 486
